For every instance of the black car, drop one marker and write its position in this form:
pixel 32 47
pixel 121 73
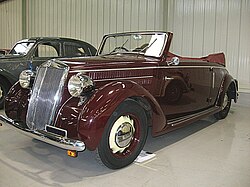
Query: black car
pixel 30 53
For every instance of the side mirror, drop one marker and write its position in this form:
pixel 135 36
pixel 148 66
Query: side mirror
pixel 174 61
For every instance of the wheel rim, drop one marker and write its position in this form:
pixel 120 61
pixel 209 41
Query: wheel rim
pixel 1 93
pixel 124 136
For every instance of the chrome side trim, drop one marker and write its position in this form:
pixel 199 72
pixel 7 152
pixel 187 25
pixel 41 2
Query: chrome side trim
pixel 143 68
pixel 213 79
pixel 177 121
pixel 125 78
pixel 50 138
pixel 166 78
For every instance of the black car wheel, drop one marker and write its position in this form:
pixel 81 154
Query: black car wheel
pixel 4 87
pixel 124 136
pixel 225 108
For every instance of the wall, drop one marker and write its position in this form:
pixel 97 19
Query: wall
pixel 201 27
pixel 90 19
pixel 10 23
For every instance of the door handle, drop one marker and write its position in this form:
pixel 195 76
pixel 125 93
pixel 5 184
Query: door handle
pixel 166 78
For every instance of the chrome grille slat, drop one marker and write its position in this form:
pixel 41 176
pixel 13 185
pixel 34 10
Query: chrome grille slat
pixel 45 95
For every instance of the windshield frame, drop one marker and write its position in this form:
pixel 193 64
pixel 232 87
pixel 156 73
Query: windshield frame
pixel 105 38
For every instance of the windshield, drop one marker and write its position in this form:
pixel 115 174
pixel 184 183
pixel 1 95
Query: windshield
pixel 21 48
pixel 149 44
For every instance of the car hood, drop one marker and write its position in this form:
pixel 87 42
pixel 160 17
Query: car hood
pixel 107 61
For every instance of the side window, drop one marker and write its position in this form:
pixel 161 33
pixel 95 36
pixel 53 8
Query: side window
pixel 47 50
pixel 73 49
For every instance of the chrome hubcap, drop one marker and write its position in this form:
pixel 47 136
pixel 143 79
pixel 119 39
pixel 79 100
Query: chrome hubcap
pixel 1 92
pixel 121 134
pixel 225 102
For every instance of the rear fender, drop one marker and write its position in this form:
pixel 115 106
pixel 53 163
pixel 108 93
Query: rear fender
pixel 102 104
pixel 228 84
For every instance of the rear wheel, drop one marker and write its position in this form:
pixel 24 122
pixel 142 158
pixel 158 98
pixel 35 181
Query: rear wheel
pixel 225 108
pixel 124 136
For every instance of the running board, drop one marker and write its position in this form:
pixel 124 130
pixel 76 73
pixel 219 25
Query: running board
pixel 177 121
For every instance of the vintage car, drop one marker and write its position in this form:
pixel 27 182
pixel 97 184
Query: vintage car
pixel 108 102
pixel 32 52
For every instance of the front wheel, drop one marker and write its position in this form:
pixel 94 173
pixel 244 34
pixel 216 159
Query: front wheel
pixel 124 136
pixel 225 108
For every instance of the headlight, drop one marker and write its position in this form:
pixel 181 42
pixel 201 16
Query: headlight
pixel 25 78
pixel 79 84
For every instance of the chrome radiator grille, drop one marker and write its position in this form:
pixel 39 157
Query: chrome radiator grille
pixel 46 94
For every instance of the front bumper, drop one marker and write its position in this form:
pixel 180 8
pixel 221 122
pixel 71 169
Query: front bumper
pixel 47 137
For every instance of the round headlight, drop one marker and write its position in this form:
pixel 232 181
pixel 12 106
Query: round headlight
pixel 79 84
pixel 25 77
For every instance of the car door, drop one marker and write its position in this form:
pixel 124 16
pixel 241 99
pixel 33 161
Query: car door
pixel 186 88
pixel 45 51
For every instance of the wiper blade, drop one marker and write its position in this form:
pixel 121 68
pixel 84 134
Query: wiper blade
pixel 124 43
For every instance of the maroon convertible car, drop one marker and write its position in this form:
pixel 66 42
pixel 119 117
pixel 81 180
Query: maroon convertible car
pixel 108 102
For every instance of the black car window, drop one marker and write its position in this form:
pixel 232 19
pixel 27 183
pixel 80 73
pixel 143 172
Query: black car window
pixel 48 49
pixel 74 49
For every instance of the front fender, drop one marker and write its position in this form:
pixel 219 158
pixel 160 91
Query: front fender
pixel 102 104
pixel 11 68
pixel 8 76
pixel 16 102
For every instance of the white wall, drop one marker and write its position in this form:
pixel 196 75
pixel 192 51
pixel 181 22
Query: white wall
pixel 201 27
pixel 90 19
pixel 10 23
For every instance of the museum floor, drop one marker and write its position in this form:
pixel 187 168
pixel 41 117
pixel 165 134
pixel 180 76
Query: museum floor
pixel 204 154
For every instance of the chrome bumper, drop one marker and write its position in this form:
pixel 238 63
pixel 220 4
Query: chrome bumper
pixel 47 137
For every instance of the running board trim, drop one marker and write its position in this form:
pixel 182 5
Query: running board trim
pixel 180 120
